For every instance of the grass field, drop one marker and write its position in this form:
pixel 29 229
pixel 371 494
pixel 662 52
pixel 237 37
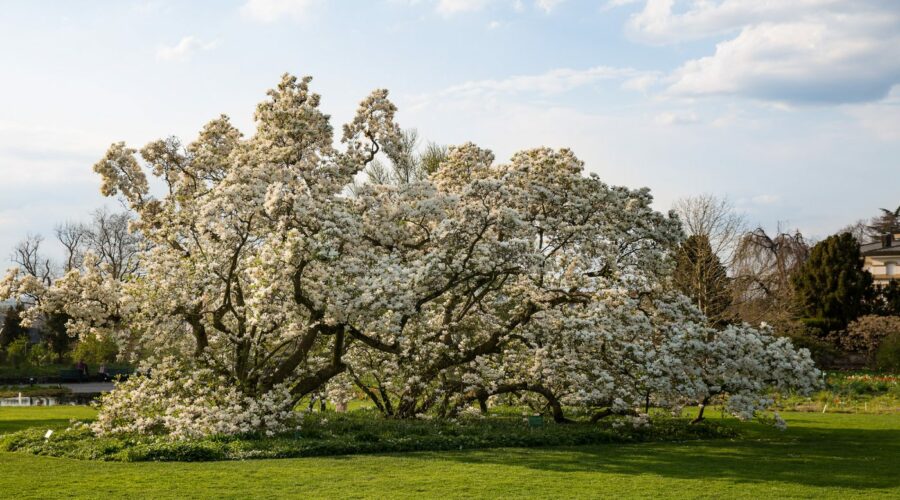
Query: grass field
pixel 820 455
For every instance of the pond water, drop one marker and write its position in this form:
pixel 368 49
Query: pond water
pixel 74 399
pixel 29 401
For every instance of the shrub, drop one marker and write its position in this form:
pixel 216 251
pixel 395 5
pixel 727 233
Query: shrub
pixel 888 356
pixel 357 432
pixel 867 332
pixel 39 355
pixel 17 352
pixel 186 402
pixel 95 350
pixel 806 337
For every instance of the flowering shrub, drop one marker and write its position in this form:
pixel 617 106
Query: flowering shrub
pixel 743 363
pixel 888 356
pixel 180 402
pixel 866 333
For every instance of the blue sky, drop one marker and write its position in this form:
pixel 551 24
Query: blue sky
pixel 790 109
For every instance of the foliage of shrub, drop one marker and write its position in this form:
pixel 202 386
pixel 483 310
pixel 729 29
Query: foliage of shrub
pixel 40 355
pixel 183 402
pixel 95 350
pixel 804 336
pixel 353 433
pixel 17 352
pixel 867 333
pixel 888 355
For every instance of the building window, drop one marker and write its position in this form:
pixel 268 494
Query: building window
pixel 889 269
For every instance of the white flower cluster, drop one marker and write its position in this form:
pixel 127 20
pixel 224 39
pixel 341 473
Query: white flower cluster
pixel 181 402
pixel 264 278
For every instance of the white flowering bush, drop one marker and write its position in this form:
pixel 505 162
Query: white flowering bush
pixel 742 364
pixel 269 273
pixel 180 401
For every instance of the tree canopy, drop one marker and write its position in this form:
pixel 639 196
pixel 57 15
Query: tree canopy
pixel 831 285
pixel 701 276
pixel 269 271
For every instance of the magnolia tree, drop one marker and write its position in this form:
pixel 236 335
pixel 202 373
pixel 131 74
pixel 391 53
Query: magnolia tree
pixel 269 272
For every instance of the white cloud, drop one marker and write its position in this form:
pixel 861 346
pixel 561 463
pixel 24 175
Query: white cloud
pixel 764 199
pixel 795 62
pixel 670 118
pixel 548 5
pixel 273 10
pixel 612 4
pixel 802 51
pixel 882 119
pixel 451 7
pixel 658 23
pixel 551 82
pixel 47 179
pixel 493 25
pixel 642 82
pixel 184 49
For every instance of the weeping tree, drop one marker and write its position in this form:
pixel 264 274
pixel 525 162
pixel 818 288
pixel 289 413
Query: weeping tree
pixel 762 271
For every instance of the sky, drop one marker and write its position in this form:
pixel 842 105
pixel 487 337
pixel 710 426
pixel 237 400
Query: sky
pixel 790 109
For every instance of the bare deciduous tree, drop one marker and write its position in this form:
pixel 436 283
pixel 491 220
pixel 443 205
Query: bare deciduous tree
pixel 72 236
pixel 27 255
pixel 714 218
pixel 110 238
pixel 859 230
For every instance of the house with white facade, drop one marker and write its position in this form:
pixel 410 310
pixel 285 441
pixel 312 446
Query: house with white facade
pixel 882 258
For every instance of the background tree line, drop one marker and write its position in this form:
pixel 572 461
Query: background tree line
pixel 107 236
pixel 817 293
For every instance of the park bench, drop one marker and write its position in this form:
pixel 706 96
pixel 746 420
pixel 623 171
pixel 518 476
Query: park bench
pixel 112 373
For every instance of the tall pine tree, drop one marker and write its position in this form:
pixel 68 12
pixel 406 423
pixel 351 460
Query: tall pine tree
pixel 831 286
pixel 701 276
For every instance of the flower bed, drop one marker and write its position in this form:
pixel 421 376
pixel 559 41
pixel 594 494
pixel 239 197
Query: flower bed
pixel 851 392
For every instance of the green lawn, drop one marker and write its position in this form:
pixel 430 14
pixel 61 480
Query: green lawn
pixel 830 455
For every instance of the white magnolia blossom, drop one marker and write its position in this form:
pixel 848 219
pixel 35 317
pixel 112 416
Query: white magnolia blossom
pixel 264 278
pixel 182 401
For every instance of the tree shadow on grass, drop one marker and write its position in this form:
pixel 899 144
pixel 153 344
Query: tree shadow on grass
pixel 849 458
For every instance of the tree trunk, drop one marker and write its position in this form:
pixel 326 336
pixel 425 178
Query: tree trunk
pixel 596 417
pixel 700 415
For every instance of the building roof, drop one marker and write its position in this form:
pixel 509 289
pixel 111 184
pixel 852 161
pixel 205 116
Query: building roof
pixel 887 245
pixel 882 252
